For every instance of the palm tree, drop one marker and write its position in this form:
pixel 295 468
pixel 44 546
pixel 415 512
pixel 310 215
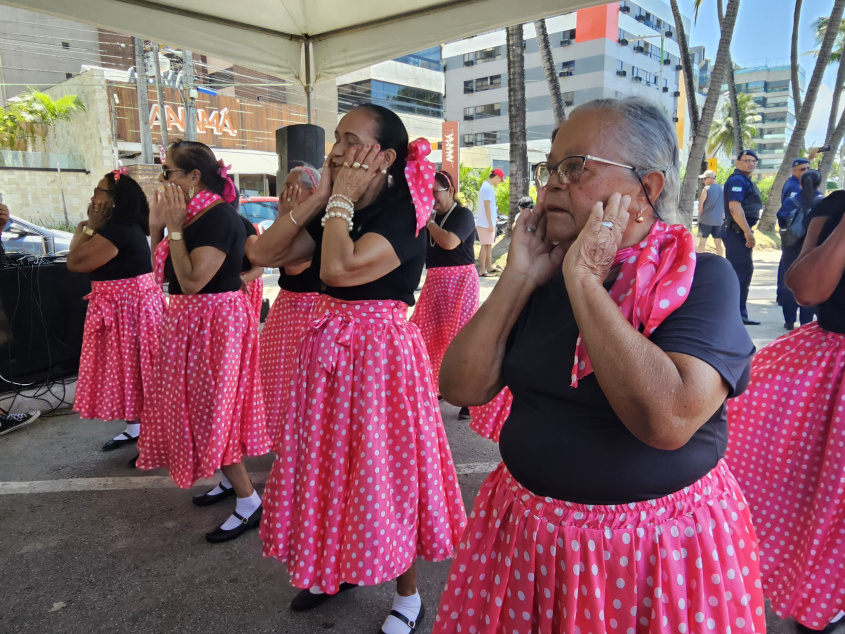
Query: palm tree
pixel 724 132
pixel 551 72
pixel 700 132
pixel 732 96
pixel 802 118
pixel 793 55
pixel 835 130
pixel 44 110
pixel 516 119
pixel 686 60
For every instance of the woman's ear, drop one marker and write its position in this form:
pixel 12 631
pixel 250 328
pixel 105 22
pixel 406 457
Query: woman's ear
pixel 653 182
pixel 389 159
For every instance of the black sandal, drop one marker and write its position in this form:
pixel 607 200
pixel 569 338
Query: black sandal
pixel 413 625
pixel 117 443
pixel 307 600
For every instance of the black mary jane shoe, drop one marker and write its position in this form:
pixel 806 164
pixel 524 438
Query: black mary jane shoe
pixel 117 443
pixel 218 535
pixel 133 464
pixel 412 625
pixel 307 600
pixel 206 499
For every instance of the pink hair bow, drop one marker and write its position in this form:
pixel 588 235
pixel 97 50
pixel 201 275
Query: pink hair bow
pixel 230 193
pixel 120 171
pixel 419 172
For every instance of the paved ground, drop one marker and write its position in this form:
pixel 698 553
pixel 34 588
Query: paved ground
pixel 89 545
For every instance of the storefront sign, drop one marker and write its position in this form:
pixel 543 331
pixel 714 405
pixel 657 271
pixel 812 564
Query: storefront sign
pixel 216 121
pixel 450 158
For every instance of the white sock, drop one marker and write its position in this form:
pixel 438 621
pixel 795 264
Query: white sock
pixel 409 606
pixel 224 483
pixel 316 590
pixel 132 429
pixel 245 507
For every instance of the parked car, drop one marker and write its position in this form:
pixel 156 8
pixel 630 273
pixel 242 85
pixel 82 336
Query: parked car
pixel 261 211
pixel 20 236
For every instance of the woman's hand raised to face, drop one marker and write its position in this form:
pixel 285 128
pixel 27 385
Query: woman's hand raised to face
pixel 172 208
pixel 289 199
pixel 98 213
pixel 592 253
pixel 530 254
pixel 353 182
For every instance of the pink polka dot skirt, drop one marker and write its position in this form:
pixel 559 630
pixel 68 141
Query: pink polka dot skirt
pixel 488 420
pixel 121 339
pixel 255 294
pixel 208 411
pixel 448 300
pixel 280 340
pixel 364 481
pixel 787 448
pixel 683 563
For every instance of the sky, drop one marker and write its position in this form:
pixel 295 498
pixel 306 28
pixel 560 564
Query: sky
pixel 763 36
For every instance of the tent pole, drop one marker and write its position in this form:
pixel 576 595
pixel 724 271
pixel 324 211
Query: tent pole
pixel 309 88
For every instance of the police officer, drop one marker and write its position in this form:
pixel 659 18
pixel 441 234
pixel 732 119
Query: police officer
pixel 792 185
pixel 743 206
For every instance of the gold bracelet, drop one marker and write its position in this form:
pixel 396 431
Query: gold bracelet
pixel 88 231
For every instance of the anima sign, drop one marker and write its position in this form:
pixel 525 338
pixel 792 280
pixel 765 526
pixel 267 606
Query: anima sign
pixel 216 121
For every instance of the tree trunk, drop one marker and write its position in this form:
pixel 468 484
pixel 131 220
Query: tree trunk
pixel 687 63
pixel 551 72
pixel 702 130
pixel 802 119
pixel 838 85
pixel 793 57
pixel 834 140
pixel 516 120
pixel 729 75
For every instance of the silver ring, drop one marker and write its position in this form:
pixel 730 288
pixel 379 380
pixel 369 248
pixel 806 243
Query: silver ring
pixel 609 225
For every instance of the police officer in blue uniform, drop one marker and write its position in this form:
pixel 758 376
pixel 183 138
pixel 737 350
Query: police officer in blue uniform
pixel 792 186
pixel 743 207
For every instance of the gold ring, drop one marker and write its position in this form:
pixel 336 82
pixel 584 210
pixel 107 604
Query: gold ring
pixel 345 164
pixel 356 165
pixel 365 166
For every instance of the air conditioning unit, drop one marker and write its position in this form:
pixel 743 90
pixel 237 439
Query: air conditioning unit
pixel 665 88
pixel 565 73
pixel 624 9
pixel 623 42
pixel 622 73
pixel 669 33
pixel 667 61
pixel 640 18
pixel 565 42
pixel 568 103
pixel 469 63
pixel 637 79
pixel 677 93
pixel 679 67
pixel 675 119
pixel 639 49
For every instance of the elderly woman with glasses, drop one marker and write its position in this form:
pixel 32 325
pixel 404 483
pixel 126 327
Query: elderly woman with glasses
pixel 612 510
pixel 208 413
pixel 451 291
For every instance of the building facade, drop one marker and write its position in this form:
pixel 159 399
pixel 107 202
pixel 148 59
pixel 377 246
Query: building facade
pixel 615 50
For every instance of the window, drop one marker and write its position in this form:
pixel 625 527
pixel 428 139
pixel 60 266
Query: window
pixel 398 98
pixel 469 59
pixel 777 102
pixel 488 110
pixel 469 87
pixel 469 113
pixel 755 86
pixel 468 140
pixel 620 65
pixel 567 69
pixel 480 138
pixel 567 37
pixel 488 83
pixel 428 58
pixel 65 45
pixel 568 98
pixel 777 86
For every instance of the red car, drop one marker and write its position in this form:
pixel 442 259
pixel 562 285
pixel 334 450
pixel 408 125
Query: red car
pixel 261 211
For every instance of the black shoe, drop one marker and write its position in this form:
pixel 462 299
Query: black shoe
pixel 750 322
pixel 218 535
pixel 789 326
pixel 207 500
pixel 13 422
pixel 133 463
pixel 413 625
pixel 307 600
pixel 464 414
pixel 117 443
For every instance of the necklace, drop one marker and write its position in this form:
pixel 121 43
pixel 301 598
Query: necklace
pixel 445 218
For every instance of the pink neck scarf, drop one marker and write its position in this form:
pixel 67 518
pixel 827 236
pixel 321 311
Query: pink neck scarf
pixel 200 202
pixel 654 281
pixel 419 172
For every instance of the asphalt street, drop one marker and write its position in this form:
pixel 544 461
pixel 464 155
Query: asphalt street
pixel 88 544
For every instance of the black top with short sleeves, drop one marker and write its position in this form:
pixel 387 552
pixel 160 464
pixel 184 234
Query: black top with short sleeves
pixel 832 312
pixel 133 253
pixel 462 223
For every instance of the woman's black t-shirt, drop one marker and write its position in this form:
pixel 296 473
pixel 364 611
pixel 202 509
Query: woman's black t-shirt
pixel 219 227
pixel 250 231
pixel 308 281
pixel 397 223
pixel 133 253
pixel 568 443
pixel 832 312
pixel 462 223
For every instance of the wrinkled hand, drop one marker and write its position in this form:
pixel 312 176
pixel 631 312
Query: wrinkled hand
pixel 171 204
pixel 98 214
pixel 530 254
pixel 4 215
pixel 289 199
pixel 592 253
pixel 351 182
pixel 750 240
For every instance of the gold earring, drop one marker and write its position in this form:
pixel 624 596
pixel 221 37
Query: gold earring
pixel 640 217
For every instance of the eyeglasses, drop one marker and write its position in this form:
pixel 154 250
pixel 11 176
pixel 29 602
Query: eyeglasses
pixel 570 169
pixel 752 161
pixel 167 171
pixel 107 192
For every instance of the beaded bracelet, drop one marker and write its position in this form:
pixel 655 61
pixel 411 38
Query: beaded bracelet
pixel 342 199
pixel 337 214
pixel 341 205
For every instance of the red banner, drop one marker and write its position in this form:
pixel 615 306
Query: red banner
pixel 450 160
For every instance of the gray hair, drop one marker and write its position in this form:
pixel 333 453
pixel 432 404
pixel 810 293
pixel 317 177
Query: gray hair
pixel 309 176
pixel 649 143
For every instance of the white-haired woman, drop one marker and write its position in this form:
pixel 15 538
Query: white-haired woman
pixel 612 510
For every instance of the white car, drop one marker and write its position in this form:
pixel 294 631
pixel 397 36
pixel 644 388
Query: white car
pixel 20 236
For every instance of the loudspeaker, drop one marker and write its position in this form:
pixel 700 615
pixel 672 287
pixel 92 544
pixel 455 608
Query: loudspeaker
pixel 298 144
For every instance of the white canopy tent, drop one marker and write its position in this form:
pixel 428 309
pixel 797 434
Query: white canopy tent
pixel 307 41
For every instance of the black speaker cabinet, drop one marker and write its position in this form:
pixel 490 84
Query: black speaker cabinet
pixel 298 144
